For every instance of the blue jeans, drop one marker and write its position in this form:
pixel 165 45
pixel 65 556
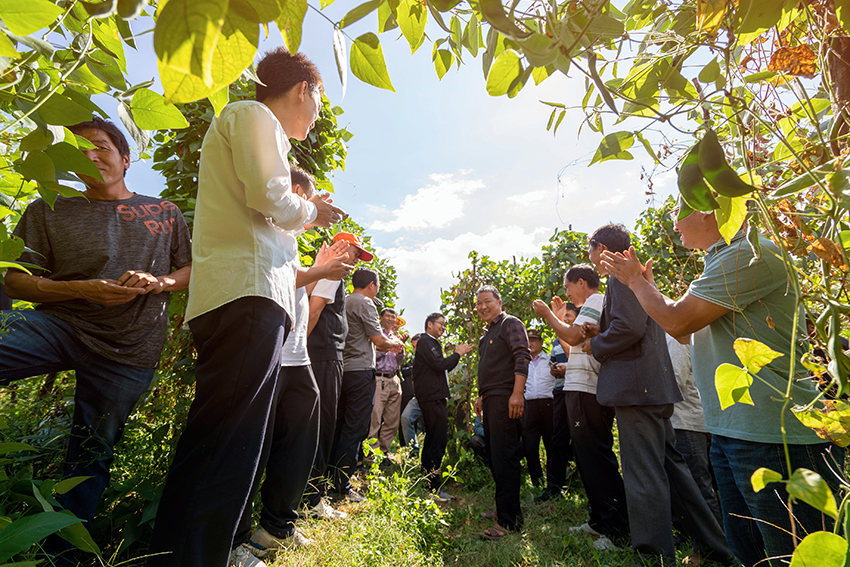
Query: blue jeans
pixel 410 416
pixel 734 461
pixel 107 391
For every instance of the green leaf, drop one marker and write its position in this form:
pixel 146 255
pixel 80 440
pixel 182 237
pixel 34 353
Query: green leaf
pixel 443 61
pixel 36 140
pixel 102 9
pixel 831 423
pixel 104 67
pixel 412 15
pixel 140 136
pixel 614 146
pixel 84 101
pixel 26 17
pixel 820 549
pixel 733 385
pixel 38 167
pixel 291 21
pixel 68 158
pixel 219 99
pixel 60 110
pixel 761 76
pixel 125 31
pixel 45 505
pixel 605 26
pixel 367 62
pixel 809 487
pixel 15 447
pixel 78 536
pixel 359 12
pixel 470 36
pixel 647 146
pixel 540 74
pixel 730 215
pixel 106 37
pixel 753 354
pixel 386 19
pixel 504 73
pixel 756 17
pixel 842 11
pixel 762 477
pixel 815 105
pixel 129 9
pixel 710 72
pixel 844 239
pixel 7 48
pixel 804 181
pixel 10 250
pixel 67 484
pixel 21 534
pixel 152 113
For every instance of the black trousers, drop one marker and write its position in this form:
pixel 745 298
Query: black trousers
pixel 562 451
pixel 353 418
pixel 328 375
pixel 536 425
pixel 436 418
pixel 656 479
pixel 225 441
pixel 593 445
pixel 296 432
pixel 503 442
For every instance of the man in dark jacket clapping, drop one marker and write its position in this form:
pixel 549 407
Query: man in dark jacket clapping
pixel 431 385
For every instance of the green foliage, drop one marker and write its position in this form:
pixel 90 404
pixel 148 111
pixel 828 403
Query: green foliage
pixel 823 549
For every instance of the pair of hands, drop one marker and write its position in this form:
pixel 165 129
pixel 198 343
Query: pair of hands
pixel 331 259
pixel 463 348
pixel 516 405
pixel 326 213
pixel 130 285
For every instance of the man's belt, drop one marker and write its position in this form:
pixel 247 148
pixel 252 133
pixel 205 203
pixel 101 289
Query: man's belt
pixel 379 375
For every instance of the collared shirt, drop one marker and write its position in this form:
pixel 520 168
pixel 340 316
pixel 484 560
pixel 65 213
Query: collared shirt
pixel 387 362
pixel 760 308
pixel 540 380
pixel 582 372
pixel 245 203
pixel 363 323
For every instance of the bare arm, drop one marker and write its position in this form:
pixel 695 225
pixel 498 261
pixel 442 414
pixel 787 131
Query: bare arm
pixel 316 306
pixel 571 334
pixel 384 343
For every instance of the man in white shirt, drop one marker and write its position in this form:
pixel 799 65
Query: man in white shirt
pixel 537 417
pixel 241 309
pixel 590 423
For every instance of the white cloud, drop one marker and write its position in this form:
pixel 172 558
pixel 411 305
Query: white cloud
pixel 528 199
pixel 433 206
pixel 614 199
pixel 424 269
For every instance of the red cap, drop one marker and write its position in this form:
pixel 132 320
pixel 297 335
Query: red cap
pixel 355 240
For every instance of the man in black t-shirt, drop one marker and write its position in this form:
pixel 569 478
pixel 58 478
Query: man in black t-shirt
pixel 106 263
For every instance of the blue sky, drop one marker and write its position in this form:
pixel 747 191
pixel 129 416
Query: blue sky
pixel 440 168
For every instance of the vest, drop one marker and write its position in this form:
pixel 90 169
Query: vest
pixel 495 363
pixel 327 341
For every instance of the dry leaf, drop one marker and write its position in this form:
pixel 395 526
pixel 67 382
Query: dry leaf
pixel 710 15
pixel 829 252
pixel 799 61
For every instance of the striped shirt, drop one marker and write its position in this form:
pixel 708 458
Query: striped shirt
pixel 582 369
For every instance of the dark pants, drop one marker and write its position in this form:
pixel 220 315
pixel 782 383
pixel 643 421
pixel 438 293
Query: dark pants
pixel 656 477
pixel 224 443
pixel 758 522
pixel 694 447
pixel 537 425
pixel 106 392
pixel 328 375
pixel 593 445
pixel 562 450
pixel 503 443
pixel 353 418
pixel 293 450
pixel 436 418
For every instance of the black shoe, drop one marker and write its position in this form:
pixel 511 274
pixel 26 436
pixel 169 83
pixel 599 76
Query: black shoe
pixel 547 495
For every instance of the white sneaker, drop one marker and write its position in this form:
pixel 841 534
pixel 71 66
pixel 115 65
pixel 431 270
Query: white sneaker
pixel 325 511
pixel 585 529
pixel 242 557
pixel 440 497
pixel 602 543
pixel 262 541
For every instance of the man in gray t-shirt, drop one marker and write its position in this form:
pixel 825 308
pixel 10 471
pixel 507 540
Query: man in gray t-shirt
pixel 354 411
pixel 104 266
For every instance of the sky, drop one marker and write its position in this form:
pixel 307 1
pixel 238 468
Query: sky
pixel 437 169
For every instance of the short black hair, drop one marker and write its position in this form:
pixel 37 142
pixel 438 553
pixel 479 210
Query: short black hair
pixel 415 337
pixel 362 277
pixel 98 123
pixel 615 237
pixel 388 310
pixel 571 307
pixel 584 272
pixel 492 289
pixel 280 70
pixel 433 317
pixel 304 180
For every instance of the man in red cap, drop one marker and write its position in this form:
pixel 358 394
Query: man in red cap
pixel 326 332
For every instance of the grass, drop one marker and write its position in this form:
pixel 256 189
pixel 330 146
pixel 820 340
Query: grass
pixel 397 526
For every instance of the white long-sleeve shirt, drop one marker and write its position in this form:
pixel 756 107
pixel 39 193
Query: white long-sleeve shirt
pixel 244 200
pixel 540 380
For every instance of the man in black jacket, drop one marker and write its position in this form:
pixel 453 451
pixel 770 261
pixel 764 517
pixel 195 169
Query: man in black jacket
pixel 431 385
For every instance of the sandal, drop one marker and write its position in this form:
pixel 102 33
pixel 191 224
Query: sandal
pixel 494 533
pixel 488 515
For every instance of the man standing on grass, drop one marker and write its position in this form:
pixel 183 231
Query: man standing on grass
pixel 537 417
pixel 431 385
pixel 503 358
pixel 106 263
pixel 387 409
pixel 241 309
pixel 737 296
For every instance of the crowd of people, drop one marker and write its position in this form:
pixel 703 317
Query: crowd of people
pixel 293 373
